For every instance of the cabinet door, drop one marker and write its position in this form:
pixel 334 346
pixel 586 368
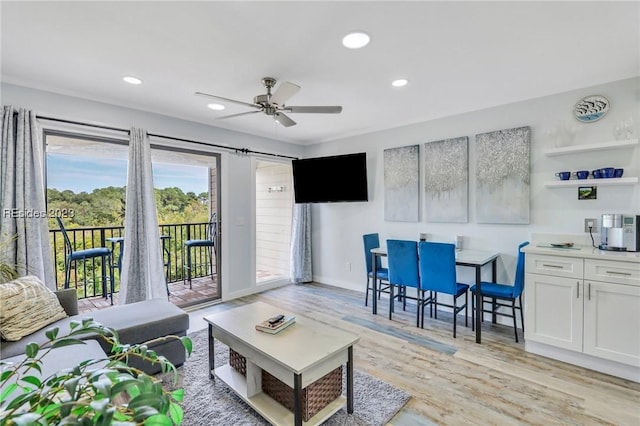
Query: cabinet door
pixel 553 311
pixel 612 321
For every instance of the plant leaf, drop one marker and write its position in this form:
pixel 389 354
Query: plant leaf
pixel 176 412
pixel 178 395
pixel 158 420
pixel 67 342
pixel 187 343
pixel 52 333
pixel 32 380
pixel 7 391
pixel 31 350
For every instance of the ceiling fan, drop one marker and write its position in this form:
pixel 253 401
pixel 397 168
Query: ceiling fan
pixel 274 104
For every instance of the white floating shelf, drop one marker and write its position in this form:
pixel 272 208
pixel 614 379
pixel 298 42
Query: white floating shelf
pixel 601 146
pixel 591 182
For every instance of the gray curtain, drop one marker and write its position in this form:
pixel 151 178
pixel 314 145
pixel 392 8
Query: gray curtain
pixel 23 210
pixel 301 270
pixel 142 266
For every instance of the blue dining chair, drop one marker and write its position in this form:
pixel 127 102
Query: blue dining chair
pixel 498 293
pixel 208 243
pixel 402 257
pixel 372 241
pixel 438 275
pixel 73 256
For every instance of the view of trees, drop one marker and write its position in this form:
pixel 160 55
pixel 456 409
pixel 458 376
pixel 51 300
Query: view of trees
pixel 106 206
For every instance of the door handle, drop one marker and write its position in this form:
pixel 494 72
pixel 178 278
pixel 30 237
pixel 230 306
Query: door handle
pixel 552 266
pixel 589 296
pixel 577 289
pixel 626 274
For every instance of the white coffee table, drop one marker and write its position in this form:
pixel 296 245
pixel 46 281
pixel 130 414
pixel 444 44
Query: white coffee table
pixel 298 356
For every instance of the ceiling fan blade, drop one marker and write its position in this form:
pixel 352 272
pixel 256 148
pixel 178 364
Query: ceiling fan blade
pixel 284 91
pixel 226 99
pixel 283 119
pixel 237 115
pixel 314 109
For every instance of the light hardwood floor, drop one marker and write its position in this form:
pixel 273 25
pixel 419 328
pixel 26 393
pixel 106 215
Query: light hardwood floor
pixel 456 381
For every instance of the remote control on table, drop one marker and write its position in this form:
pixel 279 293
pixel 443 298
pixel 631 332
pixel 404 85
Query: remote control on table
pixel 276 319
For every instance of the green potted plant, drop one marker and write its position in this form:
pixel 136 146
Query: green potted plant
pixel 96 391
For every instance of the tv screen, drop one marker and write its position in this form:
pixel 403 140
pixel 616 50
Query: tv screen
pixel 337 178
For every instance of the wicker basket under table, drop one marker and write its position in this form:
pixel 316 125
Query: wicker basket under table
pixel 315 397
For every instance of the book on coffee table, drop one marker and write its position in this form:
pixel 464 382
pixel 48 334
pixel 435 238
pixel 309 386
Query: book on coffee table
pixel 268 327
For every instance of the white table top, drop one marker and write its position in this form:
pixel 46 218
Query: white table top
pixel 298 347
pixel 473 257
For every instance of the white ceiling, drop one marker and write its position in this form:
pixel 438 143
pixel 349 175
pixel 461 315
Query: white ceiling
pixel 458 56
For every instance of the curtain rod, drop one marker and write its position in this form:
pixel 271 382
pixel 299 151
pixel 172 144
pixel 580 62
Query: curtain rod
pixel 119 129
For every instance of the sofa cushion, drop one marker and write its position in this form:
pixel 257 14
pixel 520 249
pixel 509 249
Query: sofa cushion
pixel 27 305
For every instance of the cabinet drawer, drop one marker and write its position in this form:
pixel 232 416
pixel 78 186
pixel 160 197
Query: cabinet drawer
pixel 612 272
pixel 569 267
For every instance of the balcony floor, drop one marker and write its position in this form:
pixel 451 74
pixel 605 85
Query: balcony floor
pixel 204 290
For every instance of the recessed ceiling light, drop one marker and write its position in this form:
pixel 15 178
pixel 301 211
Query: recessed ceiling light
pixel 400 82
pixel 215 107
pixel 132 80
pixel 355 40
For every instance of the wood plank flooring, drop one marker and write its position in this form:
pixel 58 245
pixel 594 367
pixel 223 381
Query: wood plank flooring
pixel 456 381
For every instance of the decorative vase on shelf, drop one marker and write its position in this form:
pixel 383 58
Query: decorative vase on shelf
pixel 562 134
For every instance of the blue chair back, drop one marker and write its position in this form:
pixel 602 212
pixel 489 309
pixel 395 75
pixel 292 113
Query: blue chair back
pixel 402 259
pixel 68 249
pixel 438 267
pixel 371 241
pixel 518 284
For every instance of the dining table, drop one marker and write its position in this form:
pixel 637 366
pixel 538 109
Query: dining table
pixel 476 259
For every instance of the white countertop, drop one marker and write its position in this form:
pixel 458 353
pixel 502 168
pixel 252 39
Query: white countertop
pixel 585 252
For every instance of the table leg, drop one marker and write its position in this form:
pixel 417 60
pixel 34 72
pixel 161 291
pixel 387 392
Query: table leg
pixel 350 380
pixel 375 284
pixel 297 399
pixel 494 317
pixel 212 365
pixel 478 304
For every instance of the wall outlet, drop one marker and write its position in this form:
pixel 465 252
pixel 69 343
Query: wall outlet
pixel 593 223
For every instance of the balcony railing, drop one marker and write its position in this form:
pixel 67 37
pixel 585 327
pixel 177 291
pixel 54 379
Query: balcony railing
pixel 86 275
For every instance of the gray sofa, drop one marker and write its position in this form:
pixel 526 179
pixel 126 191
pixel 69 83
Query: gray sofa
pixel 135 323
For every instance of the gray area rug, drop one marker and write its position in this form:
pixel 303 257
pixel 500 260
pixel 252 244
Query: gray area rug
pixel 211 402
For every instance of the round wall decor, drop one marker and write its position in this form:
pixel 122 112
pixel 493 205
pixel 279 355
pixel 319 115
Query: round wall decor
pixel 591 108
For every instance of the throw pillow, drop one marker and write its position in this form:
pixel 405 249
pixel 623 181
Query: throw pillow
pixel 26 306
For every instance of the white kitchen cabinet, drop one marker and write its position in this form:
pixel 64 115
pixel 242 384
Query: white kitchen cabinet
pixel 590 306
pixel 554 311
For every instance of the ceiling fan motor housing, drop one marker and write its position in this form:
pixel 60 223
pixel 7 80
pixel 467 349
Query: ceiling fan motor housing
pixel 261 100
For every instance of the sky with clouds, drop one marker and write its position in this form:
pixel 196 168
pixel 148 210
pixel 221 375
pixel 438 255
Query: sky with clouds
pixel 80 173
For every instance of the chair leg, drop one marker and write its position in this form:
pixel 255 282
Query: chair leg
pixel 521 312
pixel 515 325
pixel 435 304
pixel 390 299
pixel 189 266
pixel 455 316
pixel 105 291
pixel 211 260
pixel 366 293
pixel 111 277
pixel 466 307
pixel 67 274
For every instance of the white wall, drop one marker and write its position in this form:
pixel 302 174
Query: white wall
pixel 237 181
pixel 338 228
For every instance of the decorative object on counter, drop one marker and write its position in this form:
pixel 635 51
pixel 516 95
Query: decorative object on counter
pixel 402 184
pixel 564 175
pixel 597 174
pixel 581 174
pixel 617 173
pixel 591 108
pixel 502 176
pixel 446 180
pixel 587 192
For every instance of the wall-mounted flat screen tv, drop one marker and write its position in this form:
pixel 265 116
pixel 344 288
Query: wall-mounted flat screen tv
pixel 332 179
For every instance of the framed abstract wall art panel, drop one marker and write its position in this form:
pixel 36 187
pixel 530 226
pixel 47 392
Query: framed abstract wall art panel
pixel 401 184
pixel 502 176
pixel 446 180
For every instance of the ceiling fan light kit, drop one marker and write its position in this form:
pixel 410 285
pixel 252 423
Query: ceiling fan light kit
pixel 273 104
